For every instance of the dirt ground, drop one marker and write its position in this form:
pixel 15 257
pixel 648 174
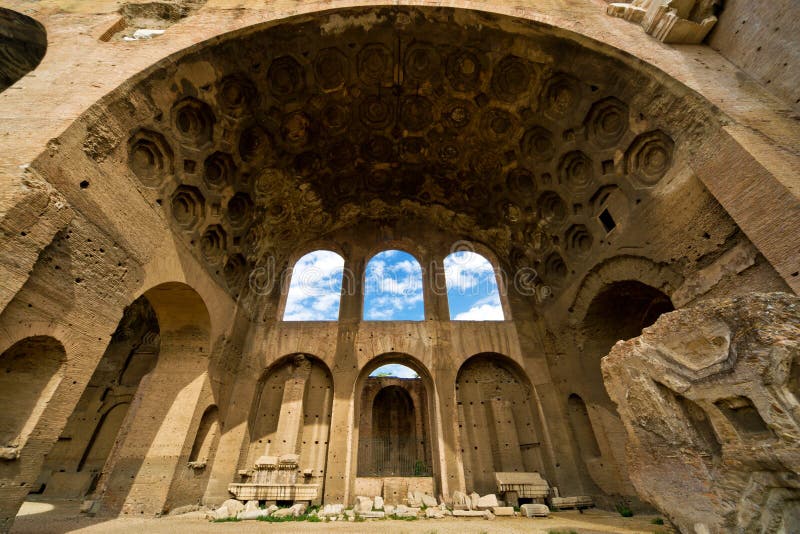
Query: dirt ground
pixel 61 517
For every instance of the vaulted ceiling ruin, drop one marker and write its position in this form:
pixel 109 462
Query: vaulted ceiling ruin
pixel 519 140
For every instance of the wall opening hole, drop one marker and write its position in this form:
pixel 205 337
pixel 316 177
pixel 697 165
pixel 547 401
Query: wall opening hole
pixel 607 220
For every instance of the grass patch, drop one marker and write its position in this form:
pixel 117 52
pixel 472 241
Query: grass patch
pixel 657 521
pixel 290 519
pixel 226 520
pixel 562 532
pixel 624 511
pixel 404 517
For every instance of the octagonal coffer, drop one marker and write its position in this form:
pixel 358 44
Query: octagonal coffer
pixel 218 170
pixel 188 206
pixel 150 157
pixel 237 95
pixel 607 122
pixel 240 211
pixel 578 240
pixel 214 243
pixel 193 120
pixel 649 157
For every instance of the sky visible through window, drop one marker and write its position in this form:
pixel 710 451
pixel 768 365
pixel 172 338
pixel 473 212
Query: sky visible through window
pixel 316 287
pixel 394 370
pixel 472 288
pixel 393 288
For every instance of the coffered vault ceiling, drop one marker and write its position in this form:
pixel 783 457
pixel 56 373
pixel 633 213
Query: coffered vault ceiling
pixel 486 127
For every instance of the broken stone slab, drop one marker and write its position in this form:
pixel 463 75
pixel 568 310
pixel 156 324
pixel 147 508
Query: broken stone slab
pixel 669 21
pixel 233 506
pixel 488 501
pixel 470 513
pixel 363 505
pixel 388 508
pixel 473 500
pixel 460 499
pixel 251 506
pixel 434 513
pixel 331 510
pixel 577 501
pixel 535 510
pixel 375 514
pixel 253 514
pixel 229 508
pixel 378 503
pixel 429 501
pixel 503 510
pixel 406 511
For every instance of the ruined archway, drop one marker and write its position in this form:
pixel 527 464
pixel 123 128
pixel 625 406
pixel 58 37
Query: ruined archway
pixel 170 396
pixel 396 433
pixel 499 428
pixel 619 310
pixel 75 464
pixel 555 152
pixel 290 419
pixel 328 130
pixel 30 373
pixel 393 429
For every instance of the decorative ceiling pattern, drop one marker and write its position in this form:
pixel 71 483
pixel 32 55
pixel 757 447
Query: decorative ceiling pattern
pixel 515 139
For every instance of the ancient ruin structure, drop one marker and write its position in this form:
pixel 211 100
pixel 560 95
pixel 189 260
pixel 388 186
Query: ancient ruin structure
pixel 709 396
pixel 164 166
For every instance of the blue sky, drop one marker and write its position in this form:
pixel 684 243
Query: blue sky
pixel 315 288
pixel 394 369
pixel 393 288
pixel 472 288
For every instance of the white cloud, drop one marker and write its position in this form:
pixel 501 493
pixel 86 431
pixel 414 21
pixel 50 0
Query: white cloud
pixel 393 286
pixel 468 271
pixel 482 312
pixel 315 288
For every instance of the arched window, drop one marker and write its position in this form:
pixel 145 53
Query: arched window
pixel 394 370
pixel 472 288
pixel 316 287
pixel 393 288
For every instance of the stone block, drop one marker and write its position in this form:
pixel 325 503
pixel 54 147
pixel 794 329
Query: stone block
pixel 331 510
pixel 251 506
pixel 429 501
pixel 503 510
pixel 487 501
pixel 535 510
pixel 375 514
pixel 378 502
pixel 469 513
pixel 434 513
pixel 363 504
